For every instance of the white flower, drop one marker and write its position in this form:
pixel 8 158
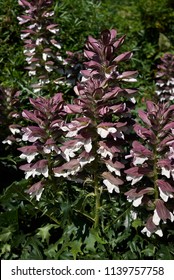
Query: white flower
pixel 35 90
pixel 83 161
pixel 62 174
pixel 132 80
pixel 32 73
pixel 66 173
pixel 43 81
pixel 7 141
pixel 171 153
pixel 43 171
pixel 133 179
pixel 88 145
pixel 27 136
pixel 39 41
pixel 50 148
pixel 165 172
pixel 59 58
pixel 32 173
pixel 37 171
pixel 158 92
pixel 111 186
pixel 104 131
pixel 14 130
pixel 23 36
pixel 160 84
pixel 158 232
pixel 31 51
pixel 104 152
pixel 156 219
pixel 165 195
pixel 48 68
pixel 112 169
pixel 139 160
pixel 145 230
pixel 133 100
pixel 172 173
pixel 54 30
pixel 28 59
pixel 69 152
pixel 31 26
pixel 44 56
pixel 56 44
pixel 29 157
pixel 170 82
pixel 22 20
pixel 38 194
pixel 136 201
pixel 49 14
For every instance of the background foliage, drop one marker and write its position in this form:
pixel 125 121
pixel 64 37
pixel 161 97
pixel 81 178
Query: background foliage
pixel 51 228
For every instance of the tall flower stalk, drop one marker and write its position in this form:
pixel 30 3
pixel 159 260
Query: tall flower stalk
pixel 152 168
pixel 97 140
pixel 10 115
pixel 44 137
pixel 41 46
pixel 165 78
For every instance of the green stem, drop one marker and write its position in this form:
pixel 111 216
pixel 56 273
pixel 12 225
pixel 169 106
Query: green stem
pixel 155 172
pixel 97 192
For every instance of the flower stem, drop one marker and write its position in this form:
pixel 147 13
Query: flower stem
pixel 97 206
pixel 155 172
pixel 97 192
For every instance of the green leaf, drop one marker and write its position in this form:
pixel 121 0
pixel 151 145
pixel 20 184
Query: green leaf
pixel 16 188
pixel 51 251
pixel 123 236
pixel 76 248
pixel 164 43
pixel 31 250
pixel 43 232
pixel 164 253
pixel 5 236
pixel 92 239
pixel 149 251
pixel 6 248
pixel 90 243
pixel 136 223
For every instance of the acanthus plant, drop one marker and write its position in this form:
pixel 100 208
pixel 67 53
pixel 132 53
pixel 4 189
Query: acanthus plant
pixel 96 136
pixel 152 171
pixel 10 102
pixel 41 46
pixel 165 78
pixel 45 139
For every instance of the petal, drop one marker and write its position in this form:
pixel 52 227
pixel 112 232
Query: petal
pixel 88 145
pixel 102 132
pixel 133 179
pixel 137 201
pixel 159 232
pixel 110 186
pixel 139 160
pixel 145 230
pixel 163 195
pixel 156 219
pixel 165 172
